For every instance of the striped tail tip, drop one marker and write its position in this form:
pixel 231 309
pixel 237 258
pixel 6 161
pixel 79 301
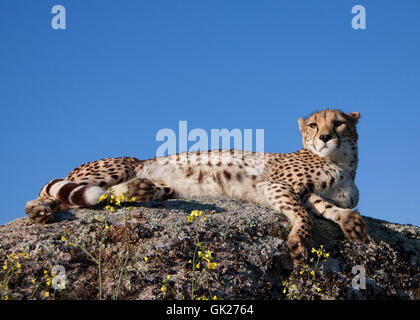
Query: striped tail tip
pixel 73 194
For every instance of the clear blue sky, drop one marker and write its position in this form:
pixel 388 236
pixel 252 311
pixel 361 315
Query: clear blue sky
pixel 122 70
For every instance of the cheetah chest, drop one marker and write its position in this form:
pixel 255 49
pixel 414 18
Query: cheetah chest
pixel 342 191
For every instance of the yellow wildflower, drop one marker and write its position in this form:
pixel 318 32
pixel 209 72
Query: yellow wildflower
pixel 212 265
pixel 196 213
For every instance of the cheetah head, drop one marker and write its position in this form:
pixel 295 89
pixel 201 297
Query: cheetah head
pixel 330 134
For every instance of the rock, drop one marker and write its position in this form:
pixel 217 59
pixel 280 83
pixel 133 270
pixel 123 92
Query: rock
pixel 247 242
pixel 331 265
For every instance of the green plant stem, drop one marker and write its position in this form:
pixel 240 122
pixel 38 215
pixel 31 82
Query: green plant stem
pixel 194 263
pixel 208 286
pixel 121 275
pixel 36 289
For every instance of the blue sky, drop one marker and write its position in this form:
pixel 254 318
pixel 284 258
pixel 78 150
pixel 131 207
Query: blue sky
pixel 121 71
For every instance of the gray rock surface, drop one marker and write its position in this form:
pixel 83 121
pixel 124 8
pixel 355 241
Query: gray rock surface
pixel 247 242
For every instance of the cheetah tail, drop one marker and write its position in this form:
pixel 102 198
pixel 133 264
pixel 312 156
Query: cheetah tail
pixel 72 194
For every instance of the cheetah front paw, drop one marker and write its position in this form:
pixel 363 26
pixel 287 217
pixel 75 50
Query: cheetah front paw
pixel 41 210
pixel 353 226
pixel 298 243
pixel 141 189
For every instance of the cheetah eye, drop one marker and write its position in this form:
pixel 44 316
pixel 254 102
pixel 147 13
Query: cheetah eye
pixel 313 125
pixel 338 123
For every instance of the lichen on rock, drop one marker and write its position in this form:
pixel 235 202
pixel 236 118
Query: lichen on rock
pixel 142 247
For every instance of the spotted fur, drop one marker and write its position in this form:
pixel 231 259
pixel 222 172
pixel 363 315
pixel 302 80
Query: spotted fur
pixel 318 178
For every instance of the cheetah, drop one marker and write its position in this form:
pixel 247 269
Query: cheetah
pixel 317 179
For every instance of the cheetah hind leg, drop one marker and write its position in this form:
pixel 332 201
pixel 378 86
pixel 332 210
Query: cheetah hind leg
pixel 143 190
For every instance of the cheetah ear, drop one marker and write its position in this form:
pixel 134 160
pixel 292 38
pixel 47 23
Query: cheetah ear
pixel 301 123
pixel 354 115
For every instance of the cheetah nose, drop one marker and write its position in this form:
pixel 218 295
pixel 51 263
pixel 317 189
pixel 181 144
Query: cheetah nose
pixel 325 137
